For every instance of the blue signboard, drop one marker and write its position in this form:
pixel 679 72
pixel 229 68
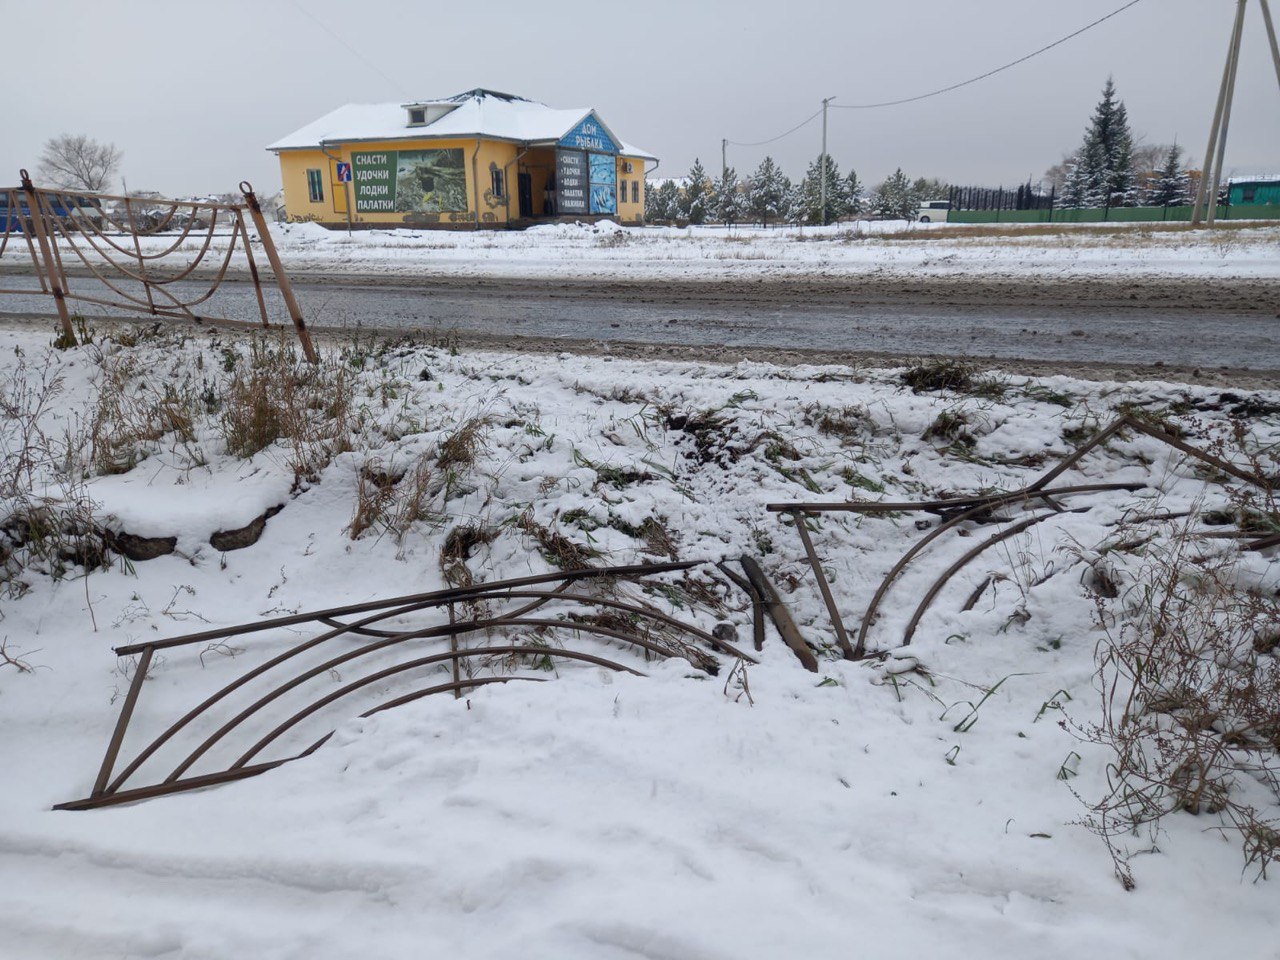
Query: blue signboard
pixel 344 172
pixel 604 178
pixel 589 134
pixel 604 168
pixel 603 199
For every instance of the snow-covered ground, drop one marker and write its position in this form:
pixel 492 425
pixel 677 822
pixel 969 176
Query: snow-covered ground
pixel 606 251
pixel 675 815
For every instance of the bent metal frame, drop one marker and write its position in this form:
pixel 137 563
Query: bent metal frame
pixel 105 249
pixel 547 604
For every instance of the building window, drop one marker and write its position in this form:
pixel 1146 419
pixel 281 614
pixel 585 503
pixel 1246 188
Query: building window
pixel 499 184
pixel 417 116
pixel 635 191
pixel 622 191
pixel 315 186
pixel 1250 194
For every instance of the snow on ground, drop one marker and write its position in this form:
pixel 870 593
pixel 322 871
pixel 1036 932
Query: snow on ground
pixel 606 251
pixel 602 815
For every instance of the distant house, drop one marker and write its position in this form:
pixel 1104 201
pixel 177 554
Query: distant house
pixel 1258 190
pixel 480 159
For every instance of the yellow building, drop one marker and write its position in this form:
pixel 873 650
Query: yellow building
pixel 477 160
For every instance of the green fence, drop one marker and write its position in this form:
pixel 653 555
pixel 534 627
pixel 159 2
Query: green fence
pixel 1243 211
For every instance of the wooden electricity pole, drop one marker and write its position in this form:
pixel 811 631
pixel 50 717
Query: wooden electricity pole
pixel 1211 175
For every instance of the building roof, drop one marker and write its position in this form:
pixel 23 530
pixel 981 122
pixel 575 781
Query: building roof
pixel 478 113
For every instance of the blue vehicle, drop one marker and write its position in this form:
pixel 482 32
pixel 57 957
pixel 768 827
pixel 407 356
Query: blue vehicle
pixel 62 205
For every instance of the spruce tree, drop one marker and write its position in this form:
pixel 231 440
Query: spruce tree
pixel 853 194
pixel 696 203
pixel 1170 187
pixel 767 193
pixel 1101 173
pixel 896 198
pixel 662 203
pixel 809 197
pixel 731 204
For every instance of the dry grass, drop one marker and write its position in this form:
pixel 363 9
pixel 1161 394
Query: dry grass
pixel 1191 702
pixel 556 547
pixel 134 413
pixel 46 516
pixel 277 396
pixel 459 545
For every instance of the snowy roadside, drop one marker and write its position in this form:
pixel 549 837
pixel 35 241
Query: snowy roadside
pixel 599 815
pixel 608 252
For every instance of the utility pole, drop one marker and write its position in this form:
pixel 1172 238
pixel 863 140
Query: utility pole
pixel 822 161
pixel 1215 152
pixel 724 160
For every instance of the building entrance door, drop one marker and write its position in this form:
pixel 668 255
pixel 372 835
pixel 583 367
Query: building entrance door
pixel 524 184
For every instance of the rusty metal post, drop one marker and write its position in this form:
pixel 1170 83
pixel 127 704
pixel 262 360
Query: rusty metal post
pixel 282 279
pixel 35 217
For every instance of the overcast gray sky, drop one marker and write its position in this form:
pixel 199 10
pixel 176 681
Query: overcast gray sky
pixel 193 92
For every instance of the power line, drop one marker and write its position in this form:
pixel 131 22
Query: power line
pixel 350 49
pixel 760 143
pixel 989 73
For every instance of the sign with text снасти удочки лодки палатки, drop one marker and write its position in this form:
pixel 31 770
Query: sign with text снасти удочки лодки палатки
pixel 409 181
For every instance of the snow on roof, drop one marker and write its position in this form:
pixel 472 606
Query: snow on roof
pixel 480 113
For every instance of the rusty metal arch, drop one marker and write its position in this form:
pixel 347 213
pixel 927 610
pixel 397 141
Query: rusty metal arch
pixel 359 620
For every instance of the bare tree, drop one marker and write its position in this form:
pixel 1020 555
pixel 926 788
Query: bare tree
pixel 77 162
pixel 1056 176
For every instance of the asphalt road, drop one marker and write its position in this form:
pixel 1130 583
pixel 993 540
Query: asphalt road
pixel 1125 323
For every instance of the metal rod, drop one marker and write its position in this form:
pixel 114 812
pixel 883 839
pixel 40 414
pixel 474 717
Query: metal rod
pixel 137 246
pixel 282 278
pixel 253 271
pixel 122 723
pixel 757 605
pixel 435 598
pixel 343 691
pixel 842 637
pixel 972 513
pixel 952 570
pixel 453 629
pixel 947 506
pixel 35 216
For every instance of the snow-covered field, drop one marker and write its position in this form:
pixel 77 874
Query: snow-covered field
pixel 606 251
pixel 852 812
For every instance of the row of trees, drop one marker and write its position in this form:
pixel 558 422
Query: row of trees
pixel 769 196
